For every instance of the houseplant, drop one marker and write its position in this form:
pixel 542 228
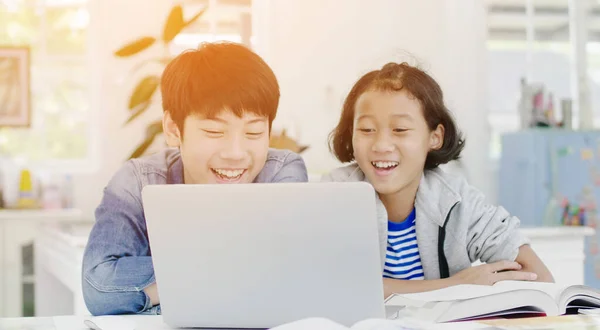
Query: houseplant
pixel 143 93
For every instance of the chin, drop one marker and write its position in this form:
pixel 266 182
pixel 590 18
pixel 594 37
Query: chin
pixel 385 190
pixel 388 187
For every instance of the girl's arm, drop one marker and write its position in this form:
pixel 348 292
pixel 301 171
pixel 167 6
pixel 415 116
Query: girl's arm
pixel 486 274
pixel 493 234
pixel 391 285
pixel 532 263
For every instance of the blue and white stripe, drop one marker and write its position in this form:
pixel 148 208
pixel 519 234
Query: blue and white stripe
pixel 402 256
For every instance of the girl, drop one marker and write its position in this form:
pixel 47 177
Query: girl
pixel 396 130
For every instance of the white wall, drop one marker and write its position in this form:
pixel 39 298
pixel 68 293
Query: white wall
pixel 111 26
pixel 319 48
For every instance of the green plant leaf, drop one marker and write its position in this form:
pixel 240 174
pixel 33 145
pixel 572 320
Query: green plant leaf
pixel 141 149
pixel 152 131
pixel 143 91
pixel 154 128
pixel 174 24
pixel 138 111
pixel 135 46
pixel 195 18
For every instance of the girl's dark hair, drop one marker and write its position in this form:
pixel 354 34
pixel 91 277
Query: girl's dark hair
pixel 395 77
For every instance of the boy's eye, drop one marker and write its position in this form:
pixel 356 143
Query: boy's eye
pixel 400 130
pixel 254 134
pixel 213 133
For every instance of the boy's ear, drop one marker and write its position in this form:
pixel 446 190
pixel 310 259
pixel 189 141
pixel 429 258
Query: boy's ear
pixel 436 138
pixel 171 131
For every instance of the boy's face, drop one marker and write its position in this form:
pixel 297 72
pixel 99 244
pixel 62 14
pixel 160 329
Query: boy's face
pixel 223 149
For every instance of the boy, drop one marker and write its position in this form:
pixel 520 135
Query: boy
pixel 219 102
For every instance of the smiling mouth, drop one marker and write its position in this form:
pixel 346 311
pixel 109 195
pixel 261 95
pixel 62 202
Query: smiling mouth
pixel 384 168
pixel 228 174
pixel 384 165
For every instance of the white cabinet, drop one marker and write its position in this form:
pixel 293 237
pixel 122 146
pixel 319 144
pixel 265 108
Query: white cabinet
pixel 562 251
pixel 18 230
pixel 59 256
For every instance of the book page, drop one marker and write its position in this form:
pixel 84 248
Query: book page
pixel 414 324
pixel 458 292
pixel 470 291
pixel 551 289
pixel 580 296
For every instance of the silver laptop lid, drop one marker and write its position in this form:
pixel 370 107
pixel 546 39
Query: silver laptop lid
pixel 261 255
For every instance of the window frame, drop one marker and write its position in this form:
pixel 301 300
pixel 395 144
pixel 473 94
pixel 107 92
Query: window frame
pixel 89 163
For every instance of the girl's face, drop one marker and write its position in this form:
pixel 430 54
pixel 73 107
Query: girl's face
pixel 391 140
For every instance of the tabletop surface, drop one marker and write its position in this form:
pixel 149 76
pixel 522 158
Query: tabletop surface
pixel 146 322
pixel 153 322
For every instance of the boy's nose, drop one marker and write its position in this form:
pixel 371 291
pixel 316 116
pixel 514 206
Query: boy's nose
pixel 234 150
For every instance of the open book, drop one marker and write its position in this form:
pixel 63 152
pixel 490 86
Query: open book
pixel 504 299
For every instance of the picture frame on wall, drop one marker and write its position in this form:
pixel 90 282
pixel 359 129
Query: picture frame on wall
pixel 15 99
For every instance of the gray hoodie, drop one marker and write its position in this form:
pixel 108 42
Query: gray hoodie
pixel 474 229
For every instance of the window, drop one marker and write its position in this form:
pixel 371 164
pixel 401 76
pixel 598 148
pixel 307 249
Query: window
pixel 56 32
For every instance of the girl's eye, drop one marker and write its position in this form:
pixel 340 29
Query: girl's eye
pixel 366 130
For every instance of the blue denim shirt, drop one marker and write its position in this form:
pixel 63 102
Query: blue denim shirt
pixel 117 263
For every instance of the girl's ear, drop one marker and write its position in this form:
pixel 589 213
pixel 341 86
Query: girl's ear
pixel 171 131
pixel 436 138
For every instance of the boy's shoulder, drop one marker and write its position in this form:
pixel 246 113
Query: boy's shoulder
pixel 154 168
pixel 282 165
pixel 136 173
pixel 281 155
pixel 347 173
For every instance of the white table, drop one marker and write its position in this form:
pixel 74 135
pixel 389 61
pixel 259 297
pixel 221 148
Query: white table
pixel 146 322
pixel 156 323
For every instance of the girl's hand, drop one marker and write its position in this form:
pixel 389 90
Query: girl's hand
pixel 489 274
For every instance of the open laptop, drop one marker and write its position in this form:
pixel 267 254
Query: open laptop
pixel 262 255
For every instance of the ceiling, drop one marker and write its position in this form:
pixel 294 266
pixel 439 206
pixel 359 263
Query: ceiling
pixel 507 19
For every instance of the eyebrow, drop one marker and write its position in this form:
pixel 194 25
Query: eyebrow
pixel 399 115
pixel 223 121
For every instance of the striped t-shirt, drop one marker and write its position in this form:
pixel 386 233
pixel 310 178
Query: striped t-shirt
pixel 402 259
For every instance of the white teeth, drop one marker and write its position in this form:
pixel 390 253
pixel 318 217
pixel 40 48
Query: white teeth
pixel 229 173
pixel 384 164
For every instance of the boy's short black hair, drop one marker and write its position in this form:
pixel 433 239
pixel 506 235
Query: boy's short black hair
pixel 395 77
pixel 218 76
